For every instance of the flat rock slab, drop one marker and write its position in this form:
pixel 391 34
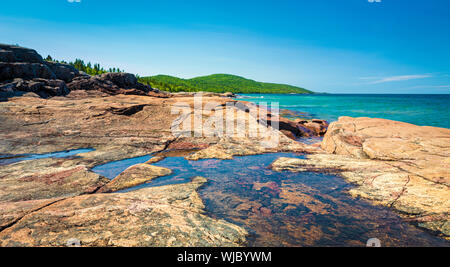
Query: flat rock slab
pixel 46 178
pixel 161 216
pixel 421 150
pixel 133 176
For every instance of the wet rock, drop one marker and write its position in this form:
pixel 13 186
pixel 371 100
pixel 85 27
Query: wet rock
pixel 152 217
pixel 286 125
pixel 271 187
pixel 249 137
pixel 133 176
pixel 438 226
pixel 220 151
pixel 265 212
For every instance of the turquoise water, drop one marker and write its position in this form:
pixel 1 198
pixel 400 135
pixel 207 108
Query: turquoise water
pixel 424 110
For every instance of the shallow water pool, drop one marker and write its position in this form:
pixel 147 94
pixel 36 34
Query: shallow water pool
pixel 287 209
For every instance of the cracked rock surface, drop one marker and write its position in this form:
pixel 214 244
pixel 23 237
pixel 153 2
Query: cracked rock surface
pixel 160 216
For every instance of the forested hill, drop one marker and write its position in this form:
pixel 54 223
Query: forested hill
pixel 219 83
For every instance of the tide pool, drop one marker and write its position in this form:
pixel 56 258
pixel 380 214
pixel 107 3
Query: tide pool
pixel 423 110
pixel 284 208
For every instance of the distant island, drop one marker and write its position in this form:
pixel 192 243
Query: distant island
pixel 219 83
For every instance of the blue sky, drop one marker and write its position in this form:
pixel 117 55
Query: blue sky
pixel 347 46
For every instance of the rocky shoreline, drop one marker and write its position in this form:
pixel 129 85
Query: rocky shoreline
pixel 395 164
pixel 46 202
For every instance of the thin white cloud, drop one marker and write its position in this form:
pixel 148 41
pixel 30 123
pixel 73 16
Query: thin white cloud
pixel 431 86
pixel 400 78
pixel 74 1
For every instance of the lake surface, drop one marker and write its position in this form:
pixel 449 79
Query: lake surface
pixel 424 110
pixel 285 208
